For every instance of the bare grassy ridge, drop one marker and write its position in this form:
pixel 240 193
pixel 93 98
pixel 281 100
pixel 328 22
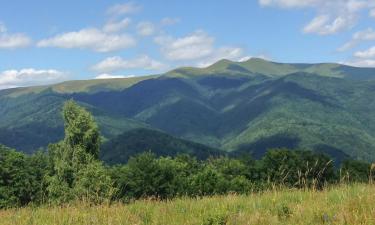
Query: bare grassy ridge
pixel 354 204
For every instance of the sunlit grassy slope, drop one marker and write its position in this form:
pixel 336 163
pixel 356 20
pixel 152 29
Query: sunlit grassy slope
pixel 340 205
pixel 248 106
pixel 75 86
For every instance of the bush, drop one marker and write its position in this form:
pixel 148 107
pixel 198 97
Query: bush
pixel 355 171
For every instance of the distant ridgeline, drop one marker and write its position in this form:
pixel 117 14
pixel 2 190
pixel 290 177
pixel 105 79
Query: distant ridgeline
pixel 236 107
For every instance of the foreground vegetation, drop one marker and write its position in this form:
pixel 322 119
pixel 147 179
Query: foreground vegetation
pixel 351 204
pixel 71 171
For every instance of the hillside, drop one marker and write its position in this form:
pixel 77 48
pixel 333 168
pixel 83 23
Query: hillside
pixel 134 142
pixel 234 106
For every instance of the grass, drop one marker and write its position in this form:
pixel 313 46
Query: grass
pixel 352 204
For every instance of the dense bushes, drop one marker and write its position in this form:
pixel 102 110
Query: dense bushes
pixel 146 175
pixel 71 170
pixel 21 178
pixel 26 179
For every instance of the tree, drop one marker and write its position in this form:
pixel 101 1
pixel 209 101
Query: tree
pixel 281 166
pixel 81 130
pixel 298 168
pixel 21 178
pixel 208 181
pixel 76 171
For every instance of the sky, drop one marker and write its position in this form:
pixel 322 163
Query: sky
pixel 43 41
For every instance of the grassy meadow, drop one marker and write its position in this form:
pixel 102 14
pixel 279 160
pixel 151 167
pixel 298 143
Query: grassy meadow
pixel 353 204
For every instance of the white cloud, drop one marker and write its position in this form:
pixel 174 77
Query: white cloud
pixel 331 17
pixel 289 3
pixel 246 58
pixel 116 26
pixel 361 63
pixel 3 28
pixel 117 63
pixel 196 49
pixel 369 53
pixel 372 12
pixel 12 41
pixel 194 46
pixel 365 35
pixel 126 8
pixel 146 28
pixel 90 38
pixel 110 76
pixel 29 77
pixel 324 25
pixel 230 53
pixel 167 21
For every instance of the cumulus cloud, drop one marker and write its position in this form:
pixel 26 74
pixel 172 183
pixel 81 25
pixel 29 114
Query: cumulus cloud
pixel 90 38
pixel 246 58
pixel 126 8
pixel 29 77
pixel 196 48
pixel 324 25
pixel 230 53
pixel 331 16
pixel 369 53
pixel 358 37
pixel 12 41
pixel 361 63
pixel 116 26
pixel 117 63
pixel 364 58
pixel 146 28
pixel 110 76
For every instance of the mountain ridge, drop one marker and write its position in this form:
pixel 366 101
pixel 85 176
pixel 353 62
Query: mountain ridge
pixel 228 105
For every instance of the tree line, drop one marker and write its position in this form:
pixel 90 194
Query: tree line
pixel 71 170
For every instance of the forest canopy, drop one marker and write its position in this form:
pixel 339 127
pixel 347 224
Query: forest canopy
pixel 71 170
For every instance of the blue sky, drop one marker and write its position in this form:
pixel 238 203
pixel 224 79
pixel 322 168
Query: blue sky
pixel 44 42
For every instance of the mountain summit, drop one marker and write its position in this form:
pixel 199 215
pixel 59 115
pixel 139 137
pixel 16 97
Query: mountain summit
pixel 233 106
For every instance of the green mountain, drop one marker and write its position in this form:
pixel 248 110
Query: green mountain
pixel 234 106
pixel 131 143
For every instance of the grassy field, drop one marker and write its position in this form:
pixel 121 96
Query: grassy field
pixel 341 205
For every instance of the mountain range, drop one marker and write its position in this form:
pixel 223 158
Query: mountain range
pixel 237 107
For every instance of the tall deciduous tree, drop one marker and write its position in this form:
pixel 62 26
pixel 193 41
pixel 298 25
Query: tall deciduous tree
pixel 74 157
pixel 81 130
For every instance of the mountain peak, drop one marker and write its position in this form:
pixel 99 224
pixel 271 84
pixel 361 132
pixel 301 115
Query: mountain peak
pixel 256 59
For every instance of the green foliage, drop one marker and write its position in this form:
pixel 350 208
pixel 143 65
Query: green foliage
pixel 249 106
pixel 165 177
pixel 131 143
pixel 44 178
pixel 218 219
pixel 146 175
pixel 76 172
pixel 93 183
pixel 208 181
pixel 298 168
pixel 80 129
pixel 21 177
pixel 355 171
